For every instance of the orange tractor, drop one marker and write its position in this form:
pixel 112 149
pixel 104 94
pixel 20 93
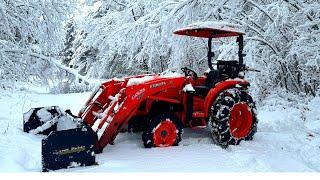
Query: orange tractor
pixel 158 105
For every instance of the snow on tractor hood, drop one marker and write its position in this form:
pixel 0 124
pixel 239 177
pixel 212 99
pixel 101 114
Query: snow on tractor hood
pixel 139 80
pixel 210 29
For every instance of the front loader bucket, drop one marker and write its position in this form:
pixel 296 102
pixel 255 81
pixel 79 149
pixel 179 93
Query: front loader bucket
pixel 70 142
pixel 69 148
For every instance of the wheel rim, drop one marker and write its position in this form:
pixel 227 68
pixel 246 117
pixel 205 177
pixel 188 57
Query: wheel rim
pixel 165 134
pixel 240 120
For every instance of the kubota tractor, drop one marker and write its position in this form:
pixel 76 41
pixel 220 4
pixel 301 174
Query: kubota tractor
pixel 158 105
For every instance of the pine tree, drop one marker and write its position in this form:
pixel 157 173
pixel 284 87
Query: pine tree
pixel 68 50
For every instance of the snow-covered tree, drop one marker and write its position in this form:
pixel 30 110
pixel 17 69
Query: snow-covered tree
pixel 283 40
pixel 31 37
pixel 123 37
pixel 68 50
pixel 135 36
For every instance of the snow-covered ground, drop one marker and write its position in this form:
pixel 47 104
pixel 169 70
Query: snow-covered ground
pixel 288 140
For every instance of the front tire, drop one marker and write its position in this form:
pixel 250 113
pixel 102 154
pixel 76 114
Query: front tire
pixel 233 118
pixel 162 131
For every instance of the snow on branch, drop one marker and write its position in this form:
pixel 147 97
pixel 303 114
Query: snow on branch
pixel 53 62
pixel 264 42
pixel 31 26
pixel 260 8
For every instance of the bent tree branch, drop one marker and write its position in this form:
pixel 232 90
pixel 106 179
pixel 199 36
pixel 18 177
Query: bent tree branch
pixel 51 61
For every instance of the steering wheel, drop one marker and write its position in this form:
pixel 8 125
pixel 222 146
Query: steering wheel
pixel 189 72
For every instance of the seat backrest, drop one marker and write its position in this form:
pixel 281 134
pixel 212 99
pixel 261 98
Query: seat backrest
pixel 212 78
pixel 229 69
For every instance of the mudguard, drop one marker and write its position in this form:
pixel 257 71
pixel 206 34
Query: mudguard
pixel 221 86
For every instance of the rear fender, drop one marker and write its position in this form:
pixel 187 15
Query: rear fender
pixel 214 92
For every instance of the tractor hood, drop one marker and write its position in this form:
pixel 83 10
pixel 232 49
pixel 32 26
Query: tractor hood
pixel 149 77
pixel 139 80
pixel 211 29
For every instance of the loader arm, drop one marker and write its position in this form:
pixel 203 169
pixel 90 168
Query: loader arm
pixel 124 105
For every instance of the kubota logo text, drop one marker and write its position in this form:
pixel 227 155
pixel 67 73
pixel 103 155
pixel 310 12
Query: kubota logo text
pixel 138 95
pixel 157 84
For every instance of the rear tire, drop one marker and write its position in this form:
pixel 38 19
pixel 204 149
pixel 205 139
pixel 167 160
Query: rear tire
pixel 233 118
pixel 162 131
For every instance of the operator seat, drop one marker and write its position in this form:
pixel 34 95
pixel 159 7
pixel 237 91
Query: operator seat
pixel 211 80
